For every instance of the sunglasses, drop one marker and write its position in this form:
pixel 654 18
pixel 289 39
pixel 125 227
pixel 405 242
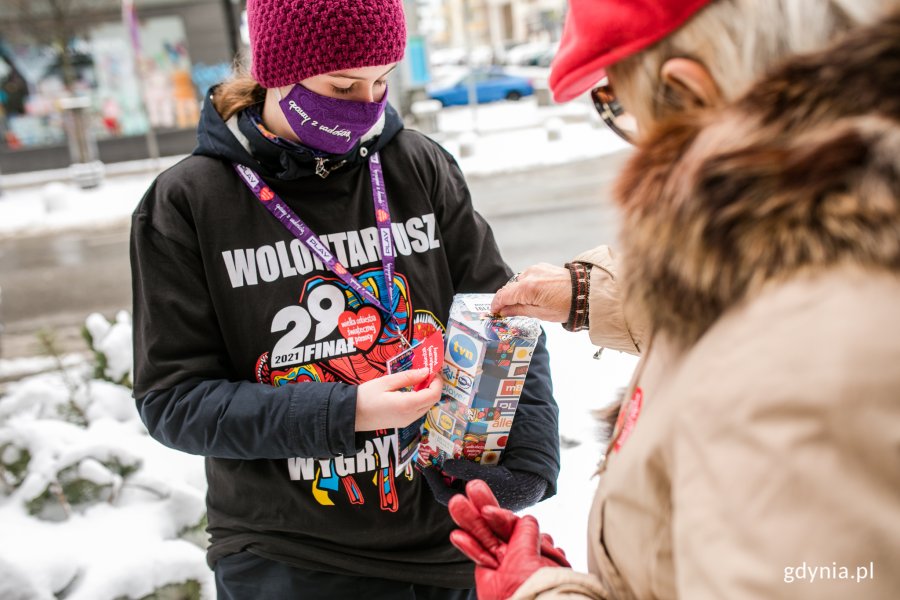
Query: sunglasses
pixel 612 112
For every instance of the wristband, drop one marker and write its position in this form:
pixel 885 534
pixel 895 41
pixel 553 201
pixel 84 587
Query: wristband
pixel 581 284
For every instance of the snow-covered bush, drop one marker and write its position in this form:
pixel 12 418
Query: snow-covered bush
pixel 91 508
pixel 111 344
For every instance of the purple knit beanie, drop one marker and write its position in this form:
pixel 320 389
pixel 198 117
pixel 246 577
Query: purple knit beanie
pixel 295 39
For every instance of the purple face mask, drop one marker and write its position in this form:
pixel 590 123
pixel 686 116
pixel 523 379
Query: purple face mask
pixel 332 125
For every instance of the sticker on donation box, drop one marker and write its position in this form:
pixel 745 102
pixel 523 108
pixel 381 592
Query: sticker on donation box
pixel 479 305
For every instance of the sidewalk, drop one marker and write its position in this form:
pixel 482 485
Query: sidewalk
pixel 17 181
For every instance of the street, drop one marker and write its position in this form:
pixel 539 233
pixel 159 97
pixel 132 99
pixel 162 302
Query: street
pixel 54 281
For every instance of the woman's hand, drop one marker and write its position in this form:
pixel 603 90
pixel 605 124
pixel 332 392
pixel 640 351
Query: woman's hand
pixel 500 573
pixel 486 528
pixel 543 291
pixel 380 404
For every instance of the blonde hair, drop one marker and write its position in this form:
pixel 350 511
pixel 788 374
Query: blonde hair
pixel 738 41
pixel 238 91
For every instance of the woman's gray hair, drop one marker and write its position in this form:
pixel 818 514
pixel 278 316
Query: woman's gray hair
pixel 738 41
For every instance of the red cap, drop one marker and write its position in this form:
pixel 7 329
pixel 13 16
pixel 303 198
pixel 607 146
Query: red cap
pixel 599 33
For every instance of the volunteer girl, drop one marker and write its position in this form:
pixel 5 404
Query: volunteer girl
pixel 308 240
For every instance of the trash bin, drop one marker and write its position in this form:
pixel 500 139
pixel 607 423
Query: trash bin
pixel 542 92
pixel 554 128
pixel 87 175
pixel 85 169
pixel 1 322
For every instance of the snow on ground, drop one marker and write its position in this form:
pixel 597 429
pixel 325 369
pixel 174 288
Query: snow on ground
pixel 526 149
pixel 512 136
pixel 500 116
pixel 130 546
pixel 516 136
pixel 581 384
pixel 15 368
pixel 58 206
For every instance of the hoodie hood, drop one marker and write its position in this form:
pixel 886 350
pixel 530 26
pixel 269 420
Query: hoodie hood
pixel 800 175
pixel 241 140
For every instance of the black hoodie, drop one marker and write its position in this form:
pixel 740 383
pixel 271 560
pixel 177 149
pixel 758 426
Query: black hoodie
pixel 229 308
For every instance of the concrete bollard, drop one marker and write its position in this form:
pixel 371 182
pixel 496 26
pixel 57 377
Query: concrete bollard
pixel 554 129
pixel 467 142
pixel 87 175
pixel 542 93
pixel 55 196
pixel 426 114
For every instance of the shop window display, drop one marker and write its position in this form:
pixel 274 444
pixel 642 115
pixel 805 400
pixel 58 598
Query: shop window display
pixel 31 84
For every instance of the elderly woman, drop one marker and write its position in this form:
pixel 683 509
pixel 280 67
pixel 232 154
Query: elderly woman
pixel 757 454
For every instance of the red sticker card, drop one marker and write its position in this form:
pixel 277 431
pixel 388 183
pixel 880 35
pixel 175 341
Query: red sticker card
pixel 427 354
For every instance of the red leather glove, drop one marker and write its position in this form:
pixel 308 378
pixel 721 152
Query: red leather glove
pixel 522 557
pixel 486 528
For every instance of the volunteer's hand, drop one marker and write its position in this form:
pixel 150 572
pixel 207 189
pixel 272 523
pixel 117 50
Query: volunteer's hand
pixel 380 406
pixel 543 291
pixel 486 528
pixel 497 577
pixel 514 489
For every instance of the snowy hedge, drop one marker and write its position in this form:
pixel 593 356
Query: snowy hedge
pixel 92 508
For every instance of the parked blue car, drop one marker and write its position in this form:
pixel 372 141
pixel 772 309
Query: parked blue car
pixel 490 85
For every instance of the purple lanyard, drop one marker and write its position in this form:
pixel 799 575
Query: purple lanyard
pixel 302 232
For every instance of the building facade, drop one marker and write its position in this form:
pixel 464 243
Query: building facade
pixel 495 24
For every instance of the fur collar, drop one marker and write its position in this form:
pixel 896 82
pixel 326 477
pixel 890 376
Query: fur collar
pixel 800 174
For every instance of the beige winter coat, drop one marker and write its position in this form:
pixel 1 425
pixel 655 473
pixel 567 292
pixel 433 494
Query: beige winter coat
pixel 763 251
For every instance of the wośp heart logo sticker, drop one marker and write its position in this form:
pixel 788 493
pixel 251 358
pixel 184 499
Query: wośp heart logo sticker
pixel 361 327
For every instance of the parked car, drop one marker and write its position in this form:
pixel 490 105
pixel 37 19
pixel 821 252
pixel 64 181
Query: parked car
pixel 479 56
pixel 549 54
pixel 528 54
pixel 447 56
pixel 490 85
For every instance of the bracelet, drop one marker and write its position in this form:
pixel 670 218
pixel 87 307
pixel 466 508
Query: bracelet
pixel 581 285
